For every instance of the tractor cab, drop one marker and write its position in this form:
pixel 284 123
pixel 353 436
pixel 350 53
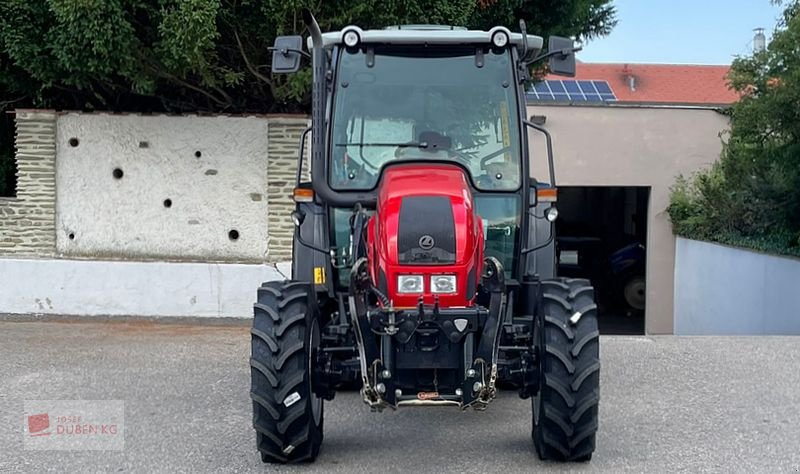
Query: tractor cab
pixel 456 104
pixel 423 266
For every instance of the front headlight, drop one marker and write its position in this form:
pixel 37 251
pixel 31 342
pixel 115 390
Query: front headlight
pixel 409 284
pixel 443 284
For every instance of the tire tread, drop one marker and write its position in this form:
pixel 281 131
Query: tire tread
pixel 279 366
pixel 570 392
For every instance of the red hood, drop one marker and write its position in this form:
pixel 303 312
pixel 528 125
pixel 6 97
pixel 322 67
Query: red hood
pixel 435 200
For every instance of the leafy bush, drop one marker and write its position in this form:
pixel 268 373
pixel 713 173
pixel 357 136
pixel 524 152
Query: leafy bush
pixel 751 196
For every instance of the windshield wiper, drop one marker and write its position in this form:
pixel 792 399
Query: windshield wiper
pixel 399 145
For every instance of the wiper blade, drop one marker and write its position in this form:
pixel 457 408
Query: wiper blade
pixel 399 145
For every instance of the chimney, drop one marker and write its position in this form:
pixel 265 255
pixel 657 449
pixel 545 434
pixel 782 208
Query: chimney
pixel 629 77
pixel 759 41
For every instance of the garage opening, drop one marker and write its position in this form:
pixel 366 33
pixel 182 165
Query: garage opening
pixel 601 235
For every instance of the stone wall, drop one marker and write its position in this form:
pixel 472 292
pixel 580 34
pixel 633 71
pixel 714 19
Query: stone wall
pixel 284 138
pixel 27 222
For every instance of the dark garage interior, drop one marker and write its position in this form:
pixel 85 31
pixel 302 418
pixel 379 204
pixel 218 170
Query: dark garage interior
pixel 602 232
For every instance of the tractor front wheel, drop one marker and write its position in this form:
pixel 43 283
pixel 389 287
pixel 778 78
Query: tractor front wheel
pixel 565 408
pixel 287 414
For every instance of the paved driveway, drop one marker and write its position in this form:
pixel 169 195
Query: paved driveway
pixel 668 404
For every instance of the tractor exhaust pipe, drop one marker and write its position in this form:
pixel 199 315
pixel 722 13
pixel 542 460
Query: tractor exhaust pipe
pixel 318 110
pixel 317 100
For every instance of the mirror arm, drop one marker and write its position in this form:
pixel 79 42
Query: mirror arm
pixel 524 30
pixel 286 51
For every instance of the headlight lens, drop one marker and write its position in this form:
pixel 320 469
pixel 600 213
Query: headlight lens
pixel 500 39
pixel 351 39
pixel 551 214
pixel 443 284
pixel 409 284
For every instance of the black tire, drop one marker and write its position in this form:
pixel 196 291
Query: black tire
pixel 566 406
pixel 633 293
pixel 287 415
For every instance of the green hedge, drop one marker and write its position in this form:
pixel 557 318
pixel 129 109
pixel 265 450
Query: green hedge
pixel 705 207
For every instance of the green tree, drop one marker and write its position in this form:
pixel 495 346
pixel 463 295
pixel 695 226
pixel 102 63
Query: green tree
pixel 752 195
pixel 211 55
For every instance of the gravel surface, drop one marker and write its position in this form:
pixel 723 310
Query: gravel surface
pixel 668 404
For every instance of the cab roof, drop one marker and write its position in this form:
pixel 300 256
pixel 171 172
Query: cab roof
pixel 425 34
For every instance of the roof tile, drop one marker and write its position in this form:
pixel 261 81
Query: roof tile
pixel 662 83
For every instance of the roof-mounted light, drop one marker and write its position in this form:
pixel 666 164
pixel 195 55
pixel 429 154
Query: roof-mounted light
pixel 500 39
pixel 351 38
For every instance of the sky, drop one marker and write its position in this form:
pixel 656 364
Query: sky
pixel 682 31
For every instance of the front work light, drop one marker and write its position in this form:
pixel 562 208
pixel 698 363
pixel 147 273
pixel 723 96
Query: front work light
pixel 551 214
pixel 351 38
pixel 500 39
pixel 298 218
pixel 443 284
pixel 409 284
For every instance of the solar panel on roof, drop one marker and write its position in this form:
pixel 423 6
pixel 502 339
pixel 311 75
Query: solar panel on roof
pixel 557 87
pixel 570 91
pixel 603 87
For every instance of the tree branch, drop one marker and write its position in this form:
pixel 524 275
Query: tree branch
pixel 249 65
pixel 187 85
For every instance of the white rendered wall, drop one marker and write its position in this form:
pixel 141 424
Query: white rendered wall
pixel 725 290
pixel 223 189
pixel 113 288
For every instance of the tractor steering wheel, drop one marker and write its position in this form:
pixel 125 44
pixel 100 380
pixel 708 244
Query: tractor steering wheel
pixel 461 158
pixel 458 156
pixel 467 160
pixel 492 155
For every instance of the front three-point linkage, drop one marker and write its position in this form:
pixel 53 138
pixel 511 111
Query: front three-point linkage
pixel 480 379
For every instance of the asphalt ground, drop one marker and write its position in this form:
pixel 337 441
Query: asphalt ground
pixel 668 404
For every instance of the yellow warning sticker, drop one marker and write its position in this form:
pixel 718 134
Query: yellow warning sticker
pixel 319 275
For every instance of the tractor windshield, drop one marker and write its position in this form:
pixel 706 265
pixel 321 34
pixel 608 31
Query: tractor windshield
pixel 393 103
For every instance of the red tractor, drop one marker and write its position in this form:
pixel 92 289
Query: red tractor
pixel 423 264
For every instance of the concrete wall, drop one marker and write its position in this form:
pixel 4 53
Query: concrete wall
pixel 725 290
pixel 90 240
pixel 210 171
pixel 169 203
pixel 27 222
pixel 104 288
pixel 634 146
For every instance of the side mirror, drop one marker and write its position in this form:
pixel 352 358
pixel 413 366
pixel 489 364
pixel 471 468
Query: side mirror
pixel 286 54
pixel 563 63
